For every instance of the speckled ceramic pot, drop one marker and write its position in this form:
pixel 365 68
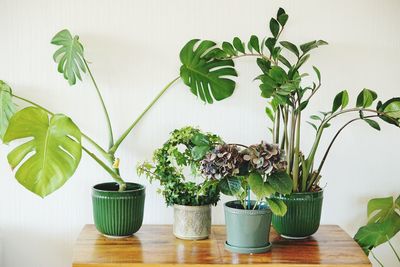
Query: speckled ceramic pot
pixel 192 222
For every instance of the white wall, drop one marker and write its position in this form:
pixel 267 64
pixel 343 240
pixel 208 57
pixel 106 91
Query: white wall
pixel 134 48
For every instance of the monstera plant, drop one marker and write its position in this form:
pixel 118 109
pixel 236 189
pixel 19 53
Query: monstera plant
pixel 50 145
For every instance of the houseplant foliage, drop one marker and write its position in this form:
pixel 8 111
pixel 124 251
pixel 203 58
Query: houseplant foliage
pixel 383 224
pixel 208 77
pixel 190 195
pixel 239 171
pixel 282 83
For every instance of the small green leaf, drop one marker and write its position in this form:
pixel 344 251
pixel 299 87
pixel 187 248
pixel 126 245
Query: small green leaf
pixel 278 207
pixel 282 19
pixel 230 186
pixel 315 117
pixel 373 124
pixel 255 43
pixel 274 27
pixel 318 73
pixel 264 65
pixel 269 113
pixel 7 107
pixel 391 108
pixel 278 74
pixel 366 98
pixel 238 44
pixel 198 152
pixel 270 44
pixel 311 45
pixel 313 125
pixel 284 61
pixel 303 105
pixel 229 49
pixel 291 47
pixel 256 184
pixel 281 182
pixel 341 100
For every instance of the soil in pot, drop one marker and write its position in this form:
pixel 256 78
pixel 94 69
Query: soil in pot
pixel 247 230
pixel 192 222
pixel 118 214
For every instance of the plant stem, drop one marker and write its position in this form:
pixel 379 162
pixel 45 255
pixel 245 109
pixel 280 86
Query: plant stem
pixel 373 255
pixel 125 134
pixel 394 251
pixel 110 132
pixel 296 162
pixel 114 175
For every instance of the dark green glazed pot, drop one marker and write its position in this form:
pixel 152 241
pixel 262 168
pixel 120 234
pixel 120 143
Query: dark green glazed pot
pixel 302 217
pixel 118 214
pixel 247 231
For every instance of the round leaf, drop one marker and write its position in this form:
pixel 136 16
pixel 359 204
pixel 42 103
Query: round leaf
pixel 50 156
pixel 281 182
pixel 230 186
pixel 277 206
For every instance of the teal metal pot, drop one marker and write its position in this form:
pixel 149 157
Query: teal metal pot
pixel 303 215
pixel 118 214
pixel 247 231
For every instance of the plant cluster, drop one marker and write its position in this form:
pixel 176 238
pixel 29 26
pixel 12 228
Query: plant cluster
pixel 281 83
pixel 239 170
pixel 184 149
pixel 382 226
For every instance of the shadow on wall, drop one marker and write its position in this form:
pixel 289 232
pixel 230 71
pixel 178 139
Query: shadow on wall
pixel 42 248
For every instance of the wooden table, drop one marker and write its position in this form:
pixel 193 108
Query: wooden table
pixel 155 245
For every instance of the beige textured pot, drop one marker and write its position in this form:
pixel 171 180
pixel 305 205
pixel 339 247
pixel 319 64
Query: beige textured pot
pixel 192 222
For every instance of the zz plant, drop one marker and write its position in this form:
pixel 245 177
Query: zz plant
pixel 287 94
pixel 52 144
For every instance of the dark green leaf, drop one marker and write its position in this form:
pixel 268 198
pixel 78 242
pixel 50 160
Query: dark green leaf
pixel 229 49
pixel 255 43
pixel 281 182
pixel 391 110
pixel 238 44
pixel 278 207
pixel 311 45
pixel 291 47
pixel 284 61
pixel 341 100
pixel 373 124
pixel 256 184
pixel 281 11
pixel 209 78
pixel 278 74
pixel 303 105
pixel 282 19
pixel 270 44
pixel 274 27
pixel 230 186
pixel 264 65
pixel 198 152
pixel 7 107
pixel 69 56
pixel 366 98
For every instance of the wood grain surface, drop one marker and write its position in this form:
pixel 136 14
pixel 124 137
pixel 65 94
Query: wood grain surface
pixel 155 245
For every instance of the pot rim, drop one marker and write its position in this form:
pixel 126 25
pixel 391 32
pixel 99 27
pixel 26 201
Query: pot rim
pixel 190 207
pixel 307 193
pixel 141 188
pixel 246 211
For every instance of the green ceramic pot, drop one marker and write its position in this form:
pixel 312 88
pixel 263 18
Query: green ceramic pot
pixel 303 215
pixel 247 231
pixel 118 214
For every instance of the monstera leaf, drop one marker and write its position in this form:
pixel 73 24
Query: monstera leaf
pixel 7 107
pixel 205 74
pixel 69 56
pixel 52 153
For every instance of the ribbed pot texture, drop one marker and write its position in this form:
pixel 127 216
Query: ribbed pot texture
pixel 303 215
pixel 118 214
pixel 192 222
pixel 247 231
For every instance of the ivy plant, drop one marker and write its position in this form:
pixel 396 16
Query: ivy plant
pixel 383 224
pixel 52 152
pixel 184 149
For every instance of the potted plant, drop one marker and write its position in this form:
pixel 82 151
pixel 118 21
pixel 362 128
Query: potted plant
pixel 239 171
pixel 52 144
pixel 382 226
pixel 282 84
pixel 190 196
